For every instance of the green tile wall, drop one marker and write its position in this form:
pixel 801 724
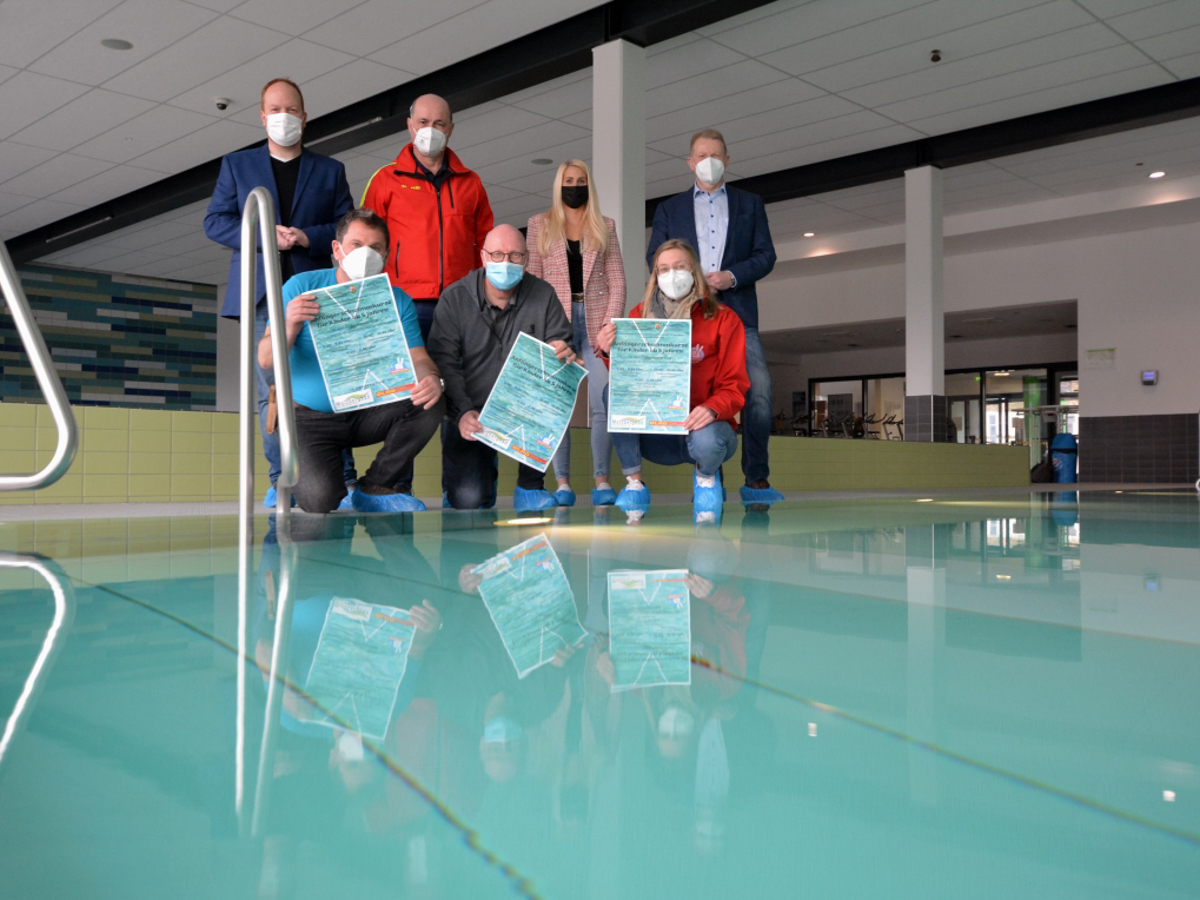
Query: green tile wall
pixel 116 340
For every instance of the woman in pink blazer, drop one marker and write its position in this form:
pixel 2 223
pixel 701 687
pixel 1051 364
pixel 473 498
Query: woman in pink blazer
pixel 575 249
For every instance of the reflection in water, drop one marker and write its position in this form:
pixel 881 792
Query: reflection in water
pixel 963 692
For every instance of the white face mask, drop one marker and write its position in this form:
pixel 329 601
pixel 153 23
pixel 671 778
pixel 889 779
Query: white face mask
pixel 360 263
pixel 429 141
pixel 284 128
pixel 710 170
pixel 676 283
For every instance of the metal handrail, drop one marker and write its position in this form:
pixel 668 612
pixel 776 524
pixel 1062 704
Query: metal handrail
pixel 260 211
pixel 64 617
pixel 48 380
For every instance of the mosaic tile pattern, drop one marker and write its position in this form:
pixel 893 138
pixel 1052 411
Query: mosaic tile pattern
pixel 117 340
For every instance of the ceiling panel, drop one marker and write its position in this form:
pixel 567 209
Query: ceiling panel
pixel 53 175
pixel 84 118
pixel 1017 64
pixel 861 69
pixel 1099 85
pixel 18 158
pixel 152 129
pixel 348 84
pixel 497 124
pixel 198 146
pixel 377 24
pixel 734 79
pixel 1157 20
pixel 876 33
pixel 293 17
pixel 1078 69
pixel 796 23
pixel 28 96
pixel 31 28
pixel 150 25
pixel 206 53
pixel 670 132
pixel 302 60
pixel 35 215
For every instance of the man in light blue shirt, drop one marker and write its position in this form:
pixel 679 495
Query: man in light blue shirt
pixel 728 228
pixel 404 426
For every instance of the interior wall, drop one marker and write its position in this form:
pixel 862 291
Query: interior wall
pixel 1138 295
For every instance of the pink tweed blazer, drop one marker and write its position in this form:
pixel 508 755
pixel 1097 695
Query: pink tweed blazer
pixel 603 276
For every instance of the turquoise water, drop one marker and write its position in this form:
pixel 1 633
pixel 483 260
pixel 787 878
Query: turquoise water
pixel 955 698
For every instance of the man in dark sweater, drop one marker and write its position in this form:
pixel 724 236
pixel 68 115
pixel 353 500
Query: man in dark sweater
pixel 475 324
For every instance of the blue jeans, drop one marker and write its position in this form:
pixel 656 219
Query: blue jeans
pixel 756 415
pixel 264 379
pixel 597 381
pixel 705 447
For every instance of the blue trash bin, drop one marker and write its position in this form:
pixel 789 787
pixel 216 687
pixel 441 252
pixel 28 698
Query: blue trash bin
pixel 1064 456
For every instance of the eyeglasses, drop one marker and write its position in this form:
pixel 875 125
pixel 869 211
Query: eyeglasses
pixel 517 256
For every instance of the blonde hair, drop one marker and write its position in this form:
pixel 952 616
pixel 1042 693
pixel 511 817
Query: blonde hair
pixel 710 134
pixel 595 232
pixel 700 287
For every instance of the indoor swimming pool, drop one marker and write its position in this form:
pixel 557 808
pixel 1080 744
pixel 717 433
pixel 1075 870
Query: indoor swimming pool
pixel 934 697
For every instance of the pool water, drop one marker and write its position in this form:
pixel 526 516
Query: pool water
pixel 901 697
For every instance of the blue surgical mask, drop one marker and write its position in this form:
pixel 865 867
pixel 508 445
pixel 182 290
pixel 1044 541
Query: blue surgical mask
pixel 504 275
pixel 501 729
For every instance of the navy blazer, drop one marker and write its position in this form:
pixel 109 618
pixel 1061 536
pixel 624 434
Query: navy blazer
pixel 322 197
pixel 749 253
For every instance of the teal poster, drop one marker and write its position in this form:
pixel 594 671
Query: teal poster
pixel 650 376
pixel 531 604
pixel 650 628
pixel 361 345
pixel 530 407
pixel 358 665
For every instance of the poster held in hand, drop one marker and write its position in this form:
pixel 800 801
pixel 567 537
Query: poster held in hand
pixel 650 376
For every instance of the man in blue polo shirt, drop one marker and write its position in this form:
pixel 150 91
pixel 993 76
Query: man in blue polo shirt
pixel 404 427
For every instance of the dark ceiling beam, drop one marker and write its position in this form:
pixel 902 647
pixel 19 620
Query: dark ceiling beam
pixel 525 62
pixel 1124 112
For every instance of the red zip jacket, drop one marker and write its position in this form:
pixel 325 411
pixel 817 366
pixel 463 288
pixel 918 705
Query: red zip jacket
pixel 436 232
pixel 719 379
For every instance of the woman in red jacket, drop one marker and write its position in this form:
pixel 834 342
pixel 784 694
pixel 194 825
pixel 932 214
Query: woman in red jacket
pixel 677 289
pixel 575 249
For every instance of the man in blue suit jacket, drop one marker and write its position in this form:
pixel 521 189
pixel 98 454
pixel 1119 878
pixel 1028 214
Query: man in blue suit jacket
pixel 728 228
pixel 310 193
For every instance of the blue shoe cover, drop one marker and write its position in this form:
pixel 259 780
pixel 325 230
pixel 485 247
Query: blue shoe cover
pixel 754 495
pixel 527 501
pixel 707 499
pixel 708 517
pixel 348 501
pixel 391 503
pixel 271 499
pixel 603 496
pixel 564 497
pixel 634 500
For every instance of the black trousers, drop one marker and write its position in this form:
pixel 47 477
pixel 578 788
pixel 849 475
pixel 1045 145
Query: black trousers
pixel 469 471
pixel 402 427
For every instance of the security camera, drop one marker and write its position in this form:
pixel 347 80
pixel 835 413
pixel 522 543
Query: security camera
pixel 223 103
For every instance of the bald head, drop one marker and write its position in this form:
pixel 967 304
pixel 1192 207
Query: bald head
pixel 507 238
pixel 432 108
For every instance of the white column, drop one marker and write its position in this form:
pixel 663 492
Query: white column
pixel 619 151
pixel 925 331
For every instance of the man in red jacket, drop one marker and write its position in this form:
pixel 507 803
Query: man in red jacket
pixel 436 209
pixel 437 213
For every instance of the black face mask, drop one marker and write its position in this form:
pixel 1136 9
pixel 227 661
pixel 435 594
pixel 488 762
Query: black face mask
pixel 575 195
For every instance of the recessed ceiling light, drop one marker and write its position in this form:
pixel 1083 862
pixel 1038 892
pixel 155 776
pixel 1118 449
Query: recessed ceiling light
pixel 810 234
pixel 116 44
pixel 542 161
pixel 1157 174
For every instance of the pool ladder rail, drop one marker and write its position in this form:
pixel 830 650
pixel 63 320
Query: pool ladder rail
pixel 48 380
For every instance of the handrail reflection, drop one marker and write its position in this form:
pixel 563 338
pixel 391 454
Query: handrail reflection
pixel 48 381
pixel 64 615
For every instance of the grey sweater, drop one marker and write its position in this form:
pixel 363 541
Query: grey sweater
pixel 471 339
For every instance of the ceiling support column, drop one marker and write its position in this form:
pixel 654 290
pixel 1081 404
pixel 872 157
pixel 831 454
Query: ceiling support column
pixel 926 411
pixel 619 152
